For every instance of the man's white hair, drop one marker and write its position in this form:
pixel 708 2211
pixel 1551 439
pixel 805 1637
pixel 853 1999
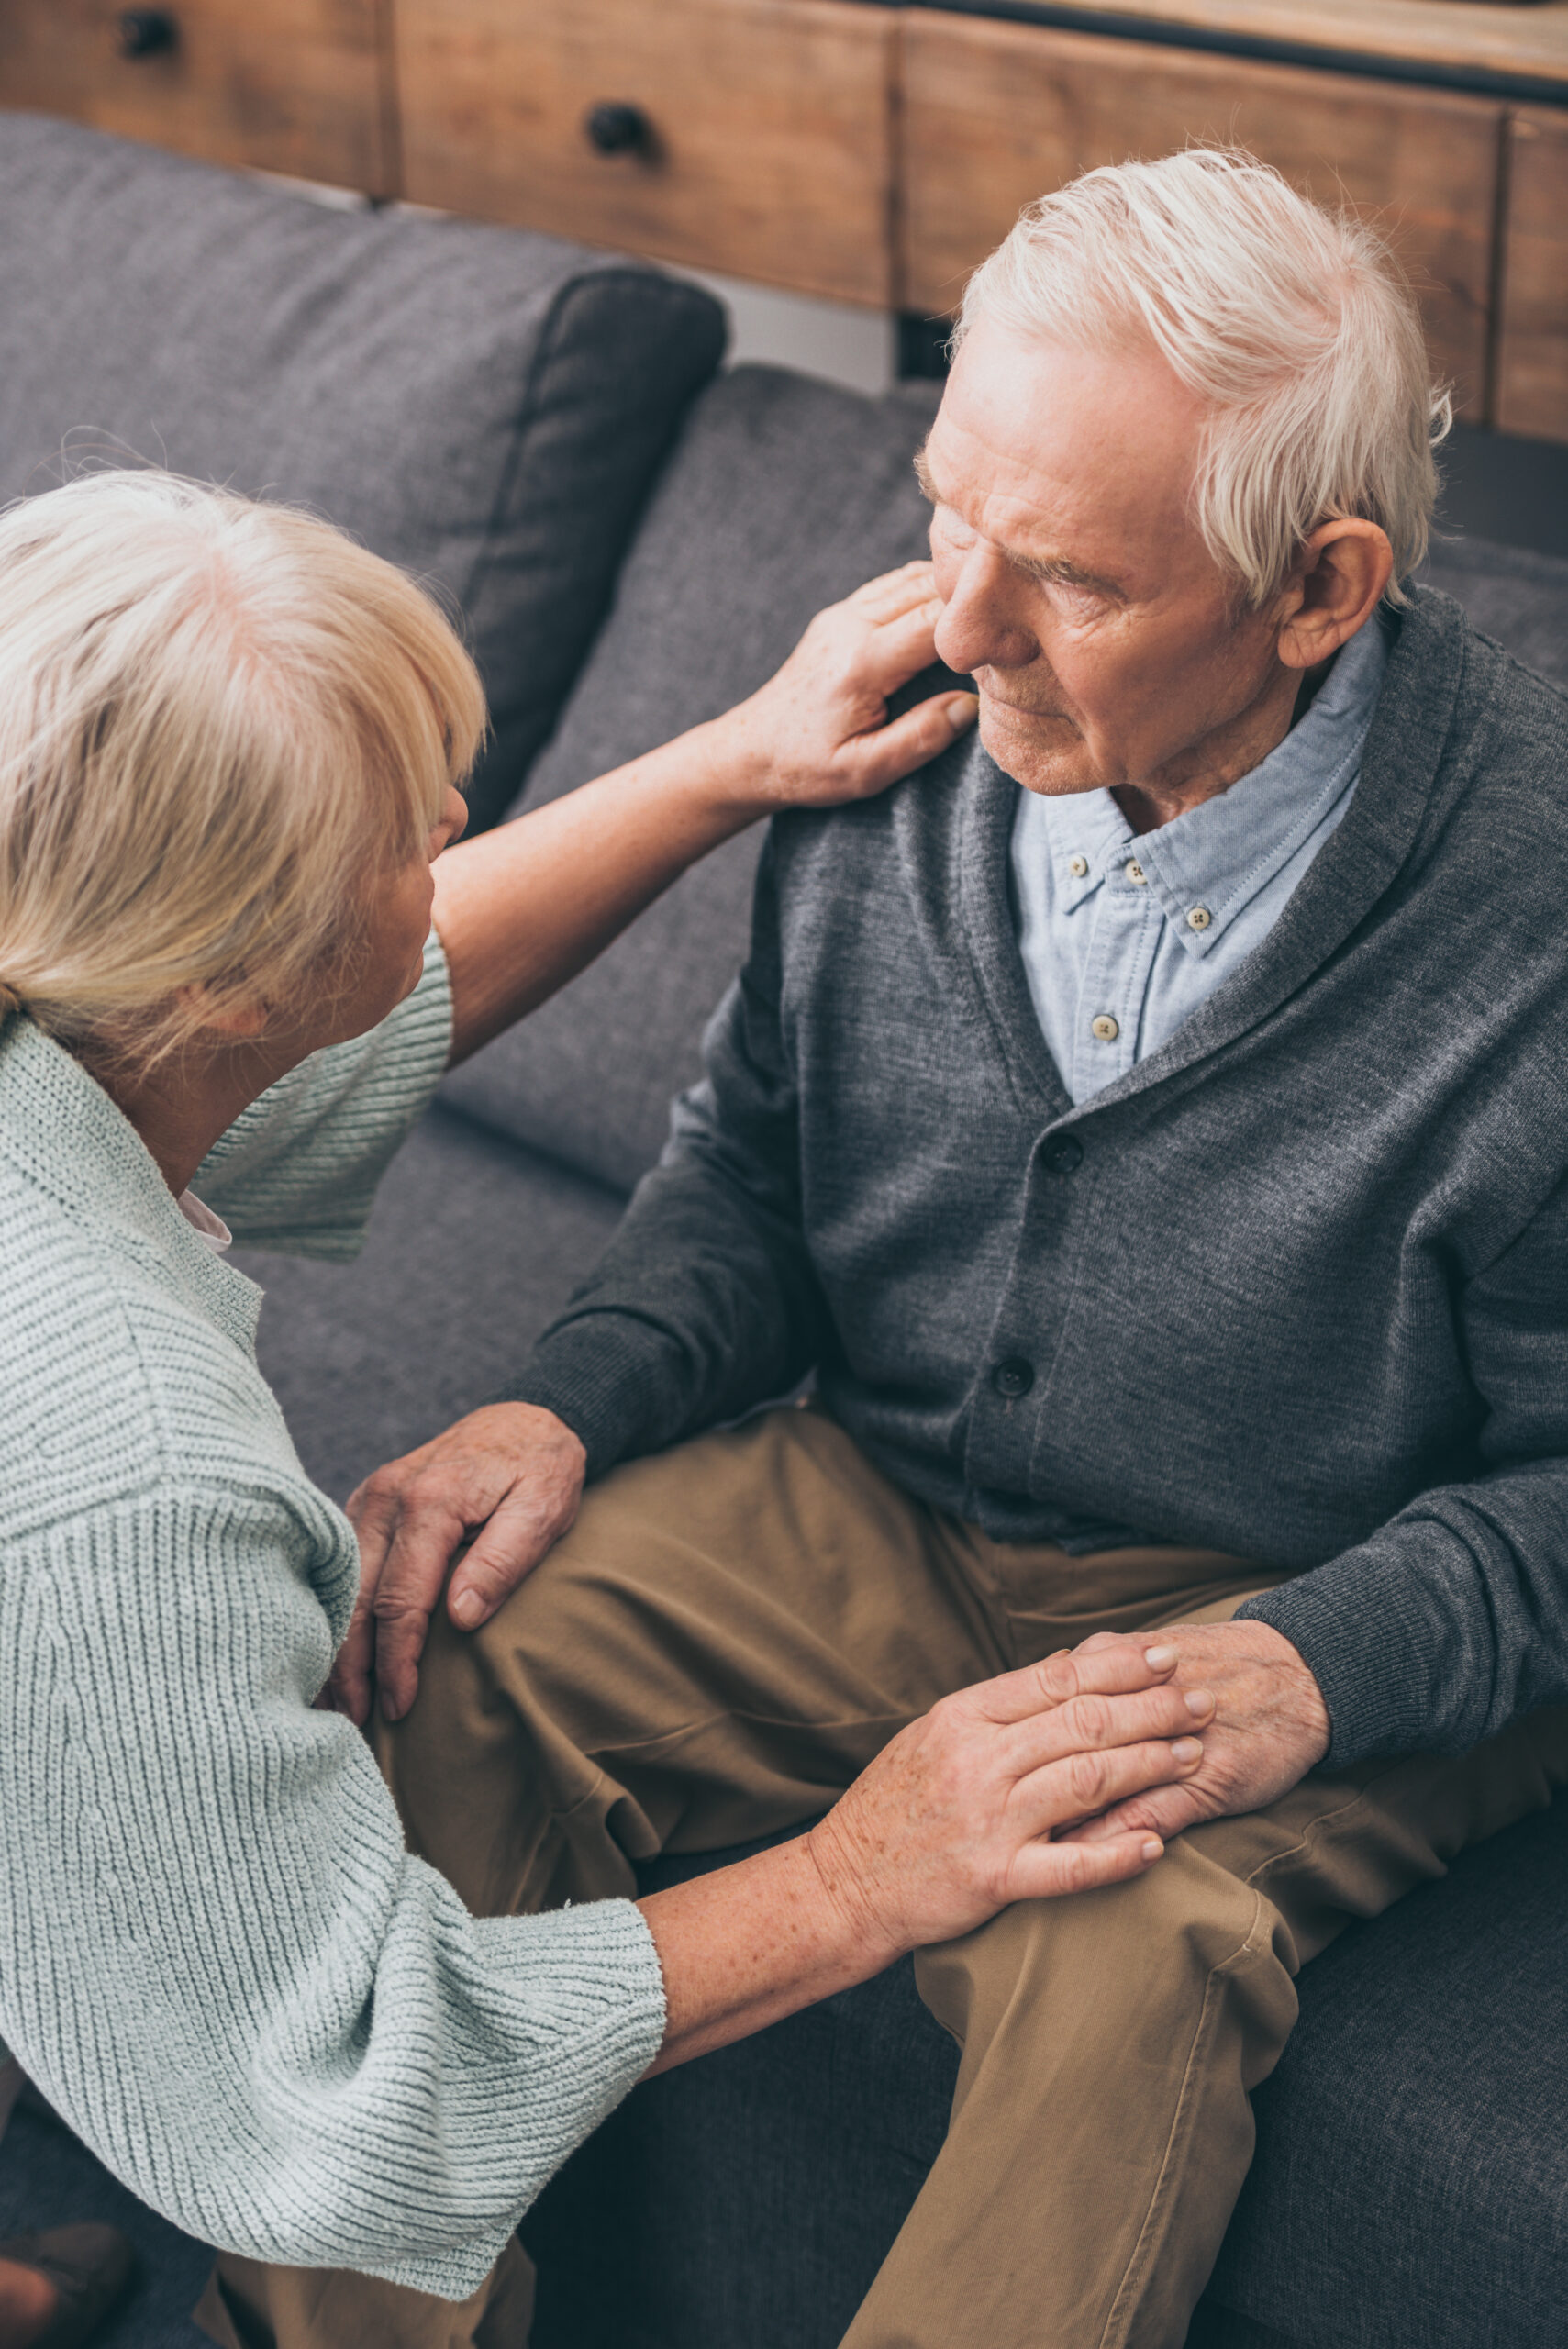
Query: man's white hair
pixel 1295 324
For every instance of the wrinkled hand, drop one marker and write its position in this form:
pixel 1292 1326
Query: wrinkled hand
pixel 818 732
pixel 955 1817
pixel 1270 1727
pixel 511 1470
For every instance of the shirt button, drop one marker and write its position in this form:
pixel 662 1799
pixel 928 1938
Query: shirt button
pixel 1078 867
pixel 1199 918
pixel 1013 1378
pixel 1135 873
pixel 1105 1027
pixel 1062 1153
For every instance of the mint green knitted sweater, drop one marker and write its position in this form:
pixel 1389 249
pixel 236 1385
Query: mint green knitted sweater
pixel 216 1956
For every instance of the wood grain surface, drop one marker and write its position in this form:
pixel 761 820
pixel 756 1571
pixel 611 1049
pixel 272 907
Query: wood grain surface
pixel 769 154
pixel 1525 44
pixel 285 85
pixel 996 115
pixel 1532 342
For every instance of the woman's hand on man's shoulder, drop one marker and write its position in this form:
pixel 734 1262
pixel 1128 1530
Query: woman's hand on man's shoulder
pixel 817 733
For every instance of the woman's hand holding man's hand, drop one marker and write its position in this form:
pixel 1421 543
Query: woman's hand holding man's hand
pixel 956 1817
pixel 818 732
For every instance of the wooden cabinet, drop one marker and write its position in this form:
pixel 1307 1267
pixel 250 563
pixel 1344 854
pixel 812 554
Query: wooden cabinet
pixel 1533 338
pixel 870 153
pixel 994 115
pixel 285 85
pixel 753 135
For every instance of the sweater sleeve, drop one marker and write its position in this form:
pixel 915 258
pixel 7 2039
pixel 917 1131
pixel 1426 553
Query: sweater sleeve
pixel 704 1303
pixel 1451 1620
pixel 298 1171
pixel 216 1956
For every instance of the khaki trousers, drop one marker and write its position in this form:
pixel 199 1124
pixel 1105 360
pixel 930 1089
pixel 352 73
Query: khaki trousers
pixel 729 1634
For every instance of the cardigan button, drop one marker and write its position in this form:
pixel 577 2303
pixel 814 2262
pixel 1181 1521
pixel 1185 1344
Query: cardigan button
pixel 1013 1378
pixel 1061 1154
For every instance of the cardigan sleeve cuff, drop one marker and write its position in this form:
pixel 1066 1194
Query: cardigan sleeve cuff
pixel 1381 1651
pixel 602 1374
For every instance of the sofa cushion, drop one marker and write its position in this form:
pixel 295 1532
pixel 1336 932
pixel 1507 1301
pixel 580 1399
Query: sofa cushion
pixel 783 496
pixel 485 407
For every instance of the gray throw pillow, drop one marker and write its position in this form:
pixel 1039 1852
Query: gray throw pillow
pixel 783 496
pixel 485 407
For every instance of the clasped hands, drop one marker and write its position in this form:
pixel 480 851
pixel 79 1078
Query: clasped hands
pixel 512 1477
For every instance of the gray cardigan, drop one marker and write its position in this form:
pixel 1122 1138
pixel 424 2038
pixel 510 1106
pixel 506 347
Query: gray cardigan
pixel 1295 1287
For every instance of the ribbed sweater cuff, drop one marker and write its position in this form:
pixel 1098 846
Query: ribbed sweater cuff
pixel 593 1973
pixel 604 1374
pixel 1376 1647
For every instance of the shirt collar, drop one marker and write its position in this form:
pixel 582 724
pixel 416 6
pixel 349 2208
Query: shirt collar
pixel 1216 858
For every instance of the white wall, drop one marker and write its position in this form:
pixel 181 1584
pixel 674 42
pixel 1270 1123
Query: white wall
pixel 831 338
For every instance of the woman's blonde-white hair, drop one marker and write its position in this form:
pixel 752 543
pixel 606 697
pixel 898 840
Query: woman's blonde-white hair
pixel 1294 324
pixel 220 721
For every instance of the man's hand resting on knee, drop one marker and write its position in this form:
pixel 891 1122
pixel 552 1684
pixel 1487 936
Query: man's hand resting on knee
pixel 1270 1726
pixel 508 1475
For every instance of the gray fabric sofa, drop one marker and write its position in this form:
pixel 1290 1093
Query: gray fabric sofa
pixel 637 543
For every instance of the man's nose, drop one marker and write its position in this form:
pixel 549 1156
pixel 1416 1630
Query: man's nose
pixel 979 628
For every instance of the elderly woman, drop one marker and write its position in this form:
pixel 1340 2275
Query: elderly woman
pixel 230 748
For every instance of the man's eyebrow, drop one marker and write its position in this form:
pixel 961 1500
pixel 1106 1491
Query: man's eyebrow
pixel 1057 572
pixel 1062 573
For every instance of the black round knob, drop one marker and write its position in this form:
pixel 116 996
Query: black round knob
pixel 616 129
pixel 1013 1378
pixel 147 32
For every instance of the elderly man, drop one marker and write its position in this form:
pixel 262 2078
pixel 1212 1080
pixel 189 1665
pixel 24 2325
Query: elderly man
pixel 1149 1123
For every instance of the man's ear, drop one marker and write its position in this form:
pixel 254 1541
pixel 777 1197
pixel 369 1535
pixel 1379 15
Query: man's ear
pixel 1336 585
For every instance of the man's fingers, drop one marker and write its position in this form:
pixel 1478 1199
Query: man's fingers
pixel 510 1547
pixel 349 1683
pixel 1046 1871
pixel 372 1510
pixel 428 1532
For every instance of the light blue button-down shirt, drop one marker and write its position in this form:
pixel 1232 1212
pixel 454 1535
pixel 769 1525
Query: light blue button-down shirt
pixel 1123 936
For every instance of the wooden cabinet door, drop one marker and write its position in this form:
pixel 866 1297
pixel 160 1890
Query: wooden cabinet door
pixel 287 86
pixel 996 115
pixel 1532 341
pixel 759 140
